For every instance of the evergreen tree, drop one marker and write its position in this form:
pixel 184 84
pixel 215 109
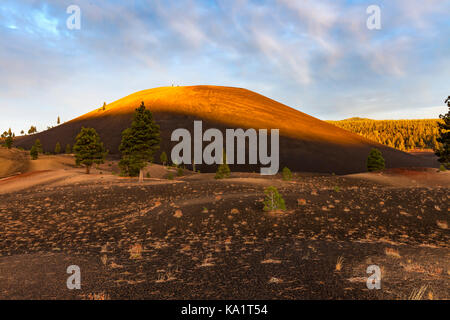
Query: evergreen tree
pixel 58 121
pixel 273 200
pixel 375 160
pixel 38 145
pixel 9 139
pixel 444 137
pixel 139 143
pixel 104 106
pixel 34 152
pixel 57 148
pixel 224 170
pixel 68 149
pixel 287 174
pixel 163 158
pixel 88 148
pixel 32 130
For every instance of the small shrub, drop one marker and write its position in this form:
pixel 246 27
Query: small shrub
pixel 38 145
pixel 147 175
pixel 375 161
pixel 287 174
pixel 442 168
pixel 337 189
pixel 34 153
pixel 224 170
pixel 273 200
pixel 57 148
pixel 163 158
pixel 170 176
pixel 180 172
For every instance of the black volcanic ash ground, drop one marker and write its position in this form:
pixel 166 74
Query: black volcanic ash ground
pixel 209 239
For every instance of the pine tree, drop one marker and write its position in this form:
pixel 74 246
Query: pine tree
pixel 34 152
pixel 375 160
pixel 58 121
pixel 444 137
pixel 224 170
pixel 32 130
pixel 163 158
pixel 88 148
pixel 68 149
pixel 104 106
pixel 287 174
pixel 38 145
pixel 273 200
pixel 9 139
pixel 139 143
pixel 57 148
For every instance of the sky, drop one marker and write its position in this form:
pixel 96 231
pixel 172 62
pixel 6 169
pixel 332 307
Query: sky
pixel 316 56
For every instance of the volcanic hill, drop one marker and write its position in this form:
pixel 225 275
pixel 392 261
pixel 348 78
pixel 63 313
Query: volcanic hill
pixel 306 143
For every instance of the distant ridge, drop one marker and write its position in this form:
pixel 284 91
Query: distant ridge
pixel 356 119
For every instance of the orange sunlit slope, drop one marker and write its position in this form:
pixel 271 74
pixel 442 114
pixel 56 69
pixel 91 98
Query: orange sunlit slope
pixel 235 107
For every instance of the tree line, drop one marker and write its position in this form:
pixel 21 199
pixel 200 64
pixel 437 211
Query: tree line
pixel 403 135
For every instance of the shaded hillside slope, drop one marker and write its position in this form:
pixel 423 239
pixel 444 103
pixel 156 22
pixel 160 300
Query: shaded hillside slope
pixel 306 143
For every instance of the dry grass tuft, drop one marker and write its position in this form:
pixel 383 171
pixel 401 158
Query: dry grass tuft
pixel 339 263
pixel 391 252
pixel 97 296
pixel 136 251
pixel 208 261
pixel 165 276
pixel 275 280
pixel 417 294
pixel 271 261
pixel 442 224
